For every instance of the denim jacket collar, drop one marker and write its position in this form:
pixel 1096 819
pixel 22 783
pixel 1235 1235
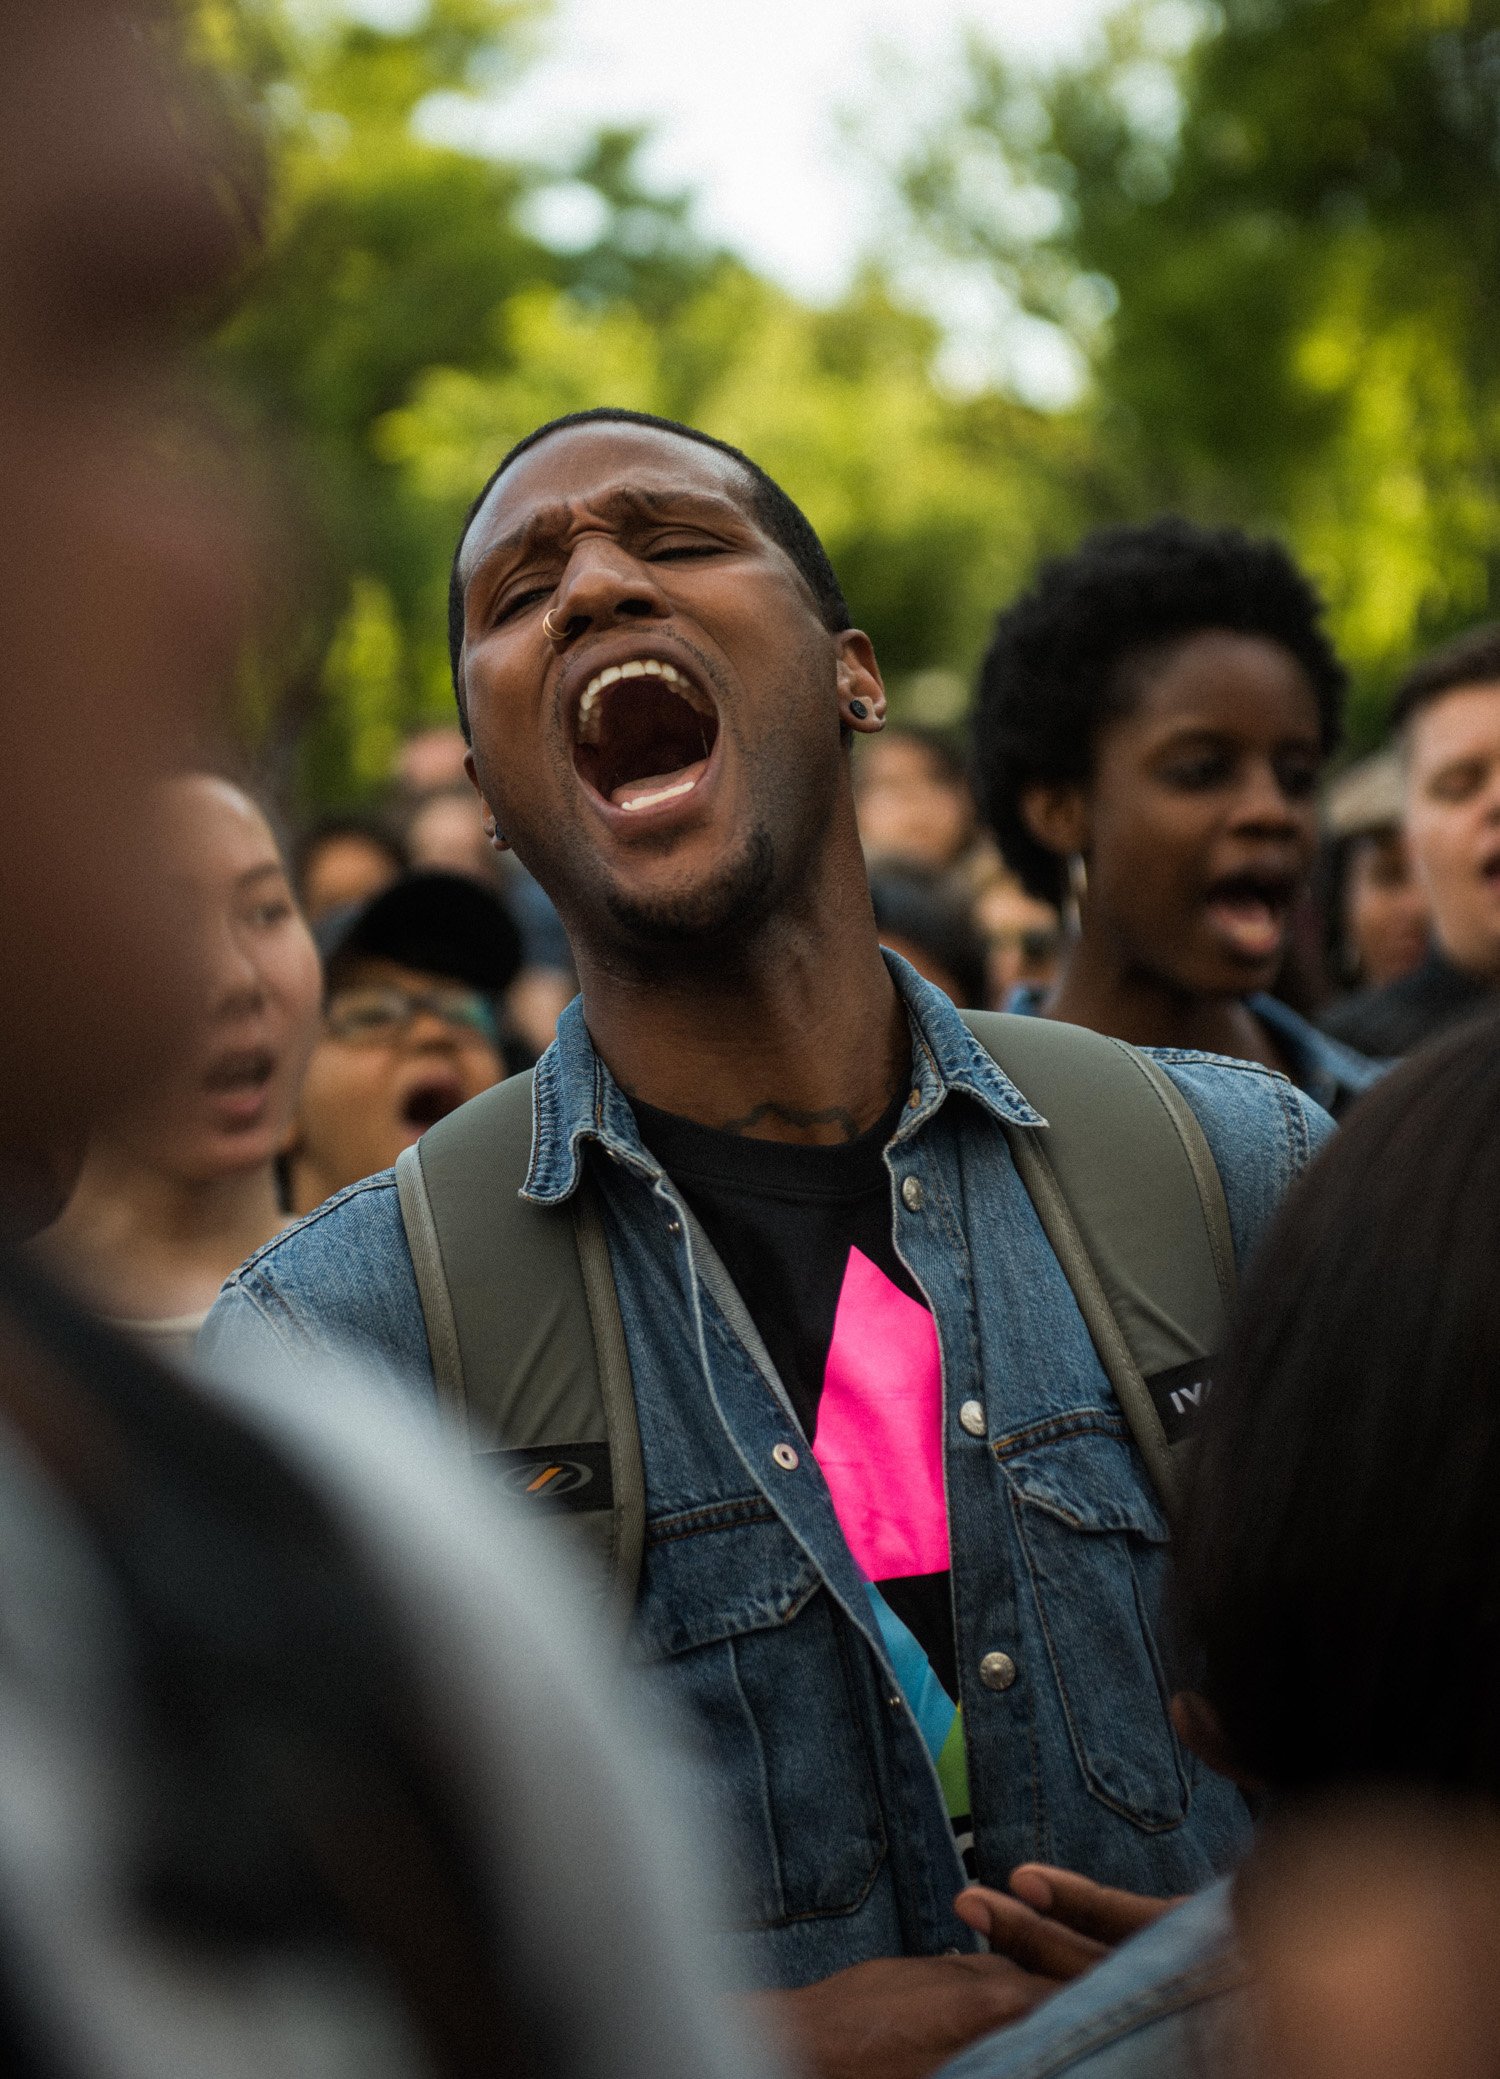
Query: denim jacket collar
pixel 576 1099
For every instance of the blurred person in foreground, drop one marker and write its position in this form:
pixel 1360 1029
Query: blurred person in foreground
pixel 345 859
pixel 913 800
pixel 1338 1571
pixel 302 1768
pixel 1151 721
pixel 1446 718
pixel 867 1404
pixel 1379 920
pixel 410 1030
pixel 179 1185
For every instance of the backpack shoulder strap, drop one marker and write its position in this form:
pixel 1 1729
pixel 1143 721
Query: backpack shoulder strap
pixel 523 1325
pixel 1128 1194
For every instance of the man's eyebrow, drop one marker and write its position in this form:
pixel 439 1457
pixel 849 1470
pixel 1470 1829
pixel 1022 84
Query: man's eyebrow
pixel 629 500
pixel 260 873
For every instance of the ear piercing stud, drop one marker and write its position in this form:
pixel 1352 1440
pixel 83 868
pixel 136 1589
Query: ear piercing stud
pixel 859 711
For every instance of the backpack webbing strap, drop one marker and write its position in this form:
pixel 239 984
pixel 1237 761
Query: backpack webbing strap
pixel 1129 1196
pixel 523 1325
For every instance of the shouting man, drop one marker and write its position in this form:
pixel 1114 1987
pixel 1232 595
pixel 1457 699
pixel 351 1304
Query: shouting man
pixel 903 1566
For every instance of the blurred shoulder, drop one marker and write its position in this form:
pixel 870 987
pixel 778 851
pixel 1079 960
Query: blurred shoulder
pixel 1167 2005
pixel 338 1280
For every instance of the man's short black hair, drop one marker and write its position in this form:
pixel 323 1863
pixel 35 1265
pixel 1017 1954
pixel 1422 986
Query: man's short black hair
pixel 1470 660
pixel 1060 659
pixel 782 519
pixel 1338 1564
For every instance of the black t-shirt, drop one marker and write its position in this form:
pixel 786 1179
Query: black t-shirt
pixel 805 1234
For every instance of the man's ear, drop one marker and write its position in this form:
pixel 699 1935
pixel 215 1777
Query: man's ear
pixel 492 829
pixel 1196 1723
pixel 1057 817
pixel 861 690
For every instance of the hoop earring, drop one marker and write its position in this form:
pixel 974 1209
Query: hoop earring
pixel 1078 890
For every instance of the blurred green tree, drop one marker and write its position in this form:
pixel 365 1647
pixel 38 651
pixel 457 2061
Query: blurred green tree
pixel 406 321
pixel 1271 231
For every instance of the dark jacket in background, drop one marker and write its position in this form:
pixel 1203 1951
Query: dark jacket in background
pixel 1403 1014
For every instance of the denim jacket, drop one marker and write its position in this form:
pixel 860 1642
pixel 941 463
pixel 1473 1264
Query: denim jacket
pixel 1169 2004
pixel 750 1601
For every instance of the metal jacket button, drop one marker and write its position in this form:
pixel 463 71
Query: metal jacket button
pixel 912 1194
pixel 786 1457
pixel 997 1671
pixel 971 1417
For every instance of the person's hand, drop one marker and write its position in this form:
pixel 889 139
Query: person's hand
pixel 1054 1922
pixel 900 2017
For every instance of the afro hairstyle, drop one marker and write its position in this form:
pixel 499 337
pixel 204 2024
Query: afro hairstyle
pixel 780 517
pixel 1060 659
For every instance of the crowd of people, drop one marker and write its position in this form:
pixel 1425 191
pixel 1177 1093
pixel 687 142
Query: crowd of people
pixel 602 1470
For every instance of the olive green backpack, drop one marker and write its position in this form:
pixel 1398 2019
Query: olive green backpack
pixel 528 1352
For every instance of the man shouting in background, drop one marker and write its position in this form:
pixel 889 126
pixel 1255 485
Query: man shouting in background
pixel 902 1565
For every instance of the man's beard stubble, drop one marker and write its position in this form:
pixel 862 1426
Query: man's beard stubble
pixel 705 924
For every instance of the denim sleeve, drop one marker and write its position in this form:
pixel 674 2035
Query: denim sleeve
pixel 1262 1132
pixel 339 1283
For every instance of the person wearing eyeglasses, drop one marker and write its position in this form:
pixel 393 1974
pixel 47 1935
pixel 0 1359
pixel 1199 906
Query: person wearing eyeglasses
pixel 411 1026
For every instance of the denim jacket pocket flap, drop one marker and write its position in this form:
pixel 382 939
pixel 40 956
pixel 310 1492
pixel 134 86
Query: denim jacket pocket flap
pixel 718 1572
pixel 1095 1547
pixel 1090 1480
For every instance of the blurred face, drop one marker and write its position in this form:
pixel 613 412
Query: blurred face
pixel 671 768
pixel 1453 821
pixel 1387 917
pixel 346 867
pixel 121 561
pixel 1199 825
pixel 909 808
pixel 1022 937
pixel 399 1050
pixel 240 1051
pixel 447 835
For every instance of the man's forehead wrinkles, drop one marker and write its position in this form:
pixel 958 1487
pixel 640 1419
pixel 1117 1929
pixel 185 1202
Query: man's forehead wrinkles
pixel 626 501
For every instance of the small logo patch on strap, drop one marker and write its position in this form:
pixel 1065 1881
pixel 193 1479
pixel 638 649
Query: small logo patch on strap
pixel 573 1476
pixel 1180 1396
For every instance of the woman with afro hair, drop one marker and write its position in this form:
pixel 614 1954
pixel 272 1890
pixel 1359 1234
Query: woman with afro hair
pixel 1151 722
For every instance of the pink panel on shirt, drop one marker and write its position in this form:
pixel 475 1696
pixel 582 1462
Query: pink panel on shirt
pixel 880 1427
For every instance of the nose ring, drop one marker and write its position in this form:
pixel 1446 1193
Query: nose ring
pixel 552 634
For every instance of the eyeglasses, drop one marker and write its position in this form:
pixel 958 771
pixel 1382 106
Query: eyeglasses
pixel 375 1017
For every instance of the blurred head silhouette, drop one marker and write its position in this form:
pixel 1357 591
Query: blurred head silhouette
pixel 121 561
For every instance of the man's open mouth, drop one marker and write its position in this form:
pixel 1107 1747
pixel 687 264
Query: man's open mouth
pixel 643 733
pixel 1250 911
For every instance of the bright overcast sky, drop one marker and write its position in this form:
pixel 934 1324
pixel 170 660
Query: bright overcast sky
pixel 746 96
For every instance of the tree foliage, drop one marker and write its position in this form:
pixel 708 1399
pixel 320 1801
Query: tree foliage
pixel 405 323
pixel 1273 229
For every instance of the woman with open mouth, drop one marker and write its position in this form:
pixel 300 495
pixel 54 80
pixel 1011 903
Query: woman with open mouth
pixel 1152 721
pixel 411 1025
pixel 178 1188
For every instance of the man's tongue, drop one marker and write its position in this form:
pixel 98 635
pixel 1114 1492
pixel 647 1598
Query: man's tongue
pixel 1250 924
pixel 658 787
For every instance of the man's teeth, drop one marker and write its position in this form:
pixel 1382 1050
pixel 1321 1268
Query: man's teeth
pixel 637 668
pixel 671 793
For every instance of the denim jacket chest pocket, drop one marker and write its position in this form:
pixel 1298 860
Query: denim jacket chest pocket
pixel 1094 1544
pixel 752 1645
